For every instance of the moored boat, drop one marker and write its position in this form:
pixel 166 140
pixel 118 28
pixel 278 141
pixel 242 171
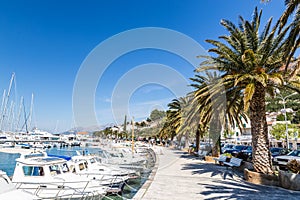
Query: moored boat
pixel 50 178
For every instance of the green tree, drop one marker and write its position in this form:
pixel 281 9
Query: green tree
pixel 97 133
pixel 250 63
pixel 168 130
pixel 296 118
pixel 278 131
pixel 107 131
pixel 143 124
pixel 157 114
pixel 281 117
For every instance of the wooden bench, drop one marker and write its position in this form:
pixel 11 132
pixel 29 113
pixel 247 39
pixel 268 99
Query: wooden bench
pixel 221 159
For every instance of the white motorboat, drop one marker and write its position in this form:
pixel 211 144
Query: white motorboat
pixel 9 191
pixel 50 178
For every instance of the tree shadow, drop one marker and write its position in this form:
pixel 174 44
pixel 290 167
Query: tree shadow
pixel 179 152
pixel 214 170
pixel 223 189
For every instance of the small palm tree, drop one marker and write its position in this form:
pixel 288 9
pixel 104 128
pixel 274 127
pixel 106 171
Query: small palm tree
pixel 178 110
pixel 215 109
pixel 175 114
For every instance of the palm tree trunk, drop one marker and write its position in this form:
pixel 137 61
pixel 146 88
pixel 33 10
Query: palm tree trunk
pixel 215 129
pixel 197 138
pixel 187 138
pixel 179 140
pixel 259 130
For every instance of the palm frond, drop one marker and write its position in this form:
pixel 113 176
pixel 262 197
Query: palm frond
pixel 249 91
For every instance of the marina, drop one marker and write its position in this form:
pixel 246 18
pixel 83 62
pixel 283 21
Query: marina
pixel 149 100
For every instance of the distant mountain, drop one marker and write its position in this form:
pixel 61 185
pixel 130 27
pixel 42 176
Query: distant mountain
pixel 92 129
pixel 89 129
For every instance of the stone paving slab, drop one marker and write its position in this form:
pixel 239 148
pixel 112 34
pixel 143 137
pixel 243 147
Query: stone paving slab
pixel 180 176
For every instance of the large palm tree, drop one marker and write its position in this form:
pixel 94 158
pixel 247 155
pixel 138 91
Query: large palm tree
pixel 250 63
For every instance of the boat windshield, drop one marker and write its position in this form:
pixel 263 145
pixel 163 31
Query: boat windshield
pixel 98 160
pixel 65 168
pixel 104 154
pixel 82 166
pixel 33 171
pixel 93 160
pixel 54 169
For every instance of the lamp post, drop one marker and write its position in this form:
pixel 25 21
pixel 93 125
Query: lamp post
pixel 284 112
pixel 132 136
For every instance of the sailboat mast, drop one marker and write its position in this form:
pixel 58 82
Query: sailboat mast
pixel 30 112
pixel 19 114
pixel 6 101
pixel 2 104
pixel 25 118
pixel 10 115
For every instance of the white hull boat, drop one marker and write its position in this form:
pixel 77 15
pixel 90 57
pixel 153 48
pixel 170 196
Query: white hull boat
pixel 50 178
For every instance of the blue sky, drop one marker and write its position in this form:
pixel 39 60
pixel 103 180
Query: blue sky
pixel 46 42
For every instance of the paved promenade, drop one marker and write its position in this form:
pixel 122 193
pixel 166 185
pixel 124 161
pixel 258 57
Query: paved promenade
pixel 181 176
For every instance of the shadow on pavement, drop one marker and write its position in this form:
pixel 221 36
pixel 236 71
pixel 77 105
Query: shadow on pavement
pixel 243 190
pixel 213 169
pixel 235 187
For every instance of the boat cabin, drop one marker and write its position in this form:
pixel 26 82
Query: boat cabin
pixel 31 166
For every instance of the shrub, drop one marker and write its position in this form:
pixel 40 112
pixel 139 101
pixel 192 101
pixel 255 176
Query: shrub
pixel 293 166
pixel 227 155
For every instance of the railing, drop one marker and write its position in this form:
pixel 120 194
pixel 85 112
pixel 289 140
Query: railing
pixel 61 190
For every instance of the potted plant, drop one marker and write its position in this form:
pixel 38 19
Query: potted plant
pixel 290 179
pixel 260 178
